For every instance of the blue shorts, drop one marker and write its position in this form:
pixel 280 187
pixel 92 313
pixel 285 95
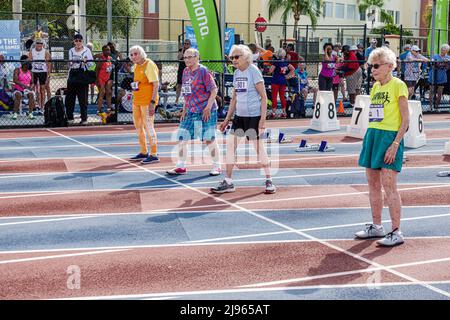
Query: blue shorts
pixel 193 127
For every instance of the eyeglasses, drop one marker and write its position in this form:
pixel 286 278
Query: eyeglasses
pixel 377 65
pixel 235 57
pixel 189 57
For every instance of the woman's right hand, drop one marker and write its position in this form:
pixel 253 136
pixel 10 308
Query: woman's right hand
pixel 183 115
pixel 224 125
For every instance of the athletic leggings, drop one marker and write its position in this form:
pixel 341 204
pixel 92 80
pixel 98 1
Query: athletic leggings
pixel 278 88
pixel 144 125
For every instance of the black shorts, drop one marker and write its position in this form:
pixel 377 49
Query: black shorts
pixel 180 76
pixel 325 83
pixel 246 127
pixel 40 77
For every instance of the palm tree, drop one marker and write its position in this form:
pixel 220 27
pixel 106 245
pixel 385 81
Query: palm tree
pixel 296 8
pixel 373 5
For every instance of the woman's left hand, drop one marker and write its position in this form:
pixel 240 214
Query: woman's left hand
pixel 206 114
pixel 391 153
pixel 151 110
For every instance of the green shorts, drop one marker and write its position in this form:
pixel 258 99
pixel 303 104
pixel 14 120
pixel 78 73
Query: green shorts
pixel 375 144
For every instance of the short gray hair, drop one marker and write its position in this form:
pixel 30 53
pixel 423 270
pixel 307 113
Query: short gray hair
pixel 194 52
pixel 384 54
pixel 246 52
pixel 280 53
pixel 140 50
pixel 445 46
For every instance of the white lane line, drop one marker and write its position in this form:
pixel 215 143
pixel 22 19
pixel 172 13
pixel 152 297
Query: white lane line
pixel 228 210
pixel 199 244
pixel 370 286
pixel 344 273
pixel 315 229
pixel 46 220
pixel 59 256
pixel 283 226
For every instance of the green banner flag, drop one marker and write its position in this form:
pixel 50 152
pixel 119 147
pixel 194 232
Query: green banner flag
pixel 205 21
pixel 440 36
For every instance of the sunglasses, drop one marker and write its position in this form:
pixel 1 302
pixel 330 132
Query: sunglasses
pixel 377 65
pixel 235 57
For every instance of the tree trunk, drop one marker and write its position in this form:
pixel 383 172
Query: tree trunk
pixel 295 29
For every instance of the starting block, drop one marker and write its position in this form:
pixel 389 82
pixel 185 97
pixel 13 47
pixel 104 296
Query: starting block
pixel 322 147
pixel 281 138
pixel 447 149
pixel 444 174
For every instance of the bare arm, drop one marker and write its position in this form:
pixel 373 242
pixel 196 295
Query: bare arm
pixel 262 92
pixel 230 113
pixel 391 152
pixel 49 64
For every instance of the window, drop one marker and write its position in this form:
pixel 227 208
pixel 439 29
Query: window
pixel 397 17
pixel 415 20
pixel 327 9
pixel 153 6
pixel 351 11
pixel 362 16
pixel 340 10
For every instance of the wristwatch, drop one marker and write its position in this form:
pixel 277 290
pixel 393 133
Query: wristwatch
pixel 153 101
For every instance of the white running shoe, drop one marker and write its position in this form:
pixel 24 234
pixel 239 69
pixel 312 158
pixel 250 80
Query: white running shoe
pixel 215 171
pixel 392 239
pixel 370 232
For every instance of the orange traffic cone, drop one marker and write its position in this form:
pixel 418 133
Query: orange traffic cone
pixel 341 107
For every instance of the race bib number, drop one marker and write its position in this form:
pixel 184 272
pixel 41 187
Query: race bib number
pixel 330 66
pixel 134 86
pixel 304 81
pixel 109 69
pixel 39 66
pixel 241 85
pixel 376 113
pixel 186 89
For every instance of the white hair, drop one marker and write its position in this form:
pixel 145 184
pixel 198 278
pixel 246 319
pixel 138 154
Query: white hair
pixel 90 45
pixel 385 55
pixel 445 46
pixel 246 52
pixel 140 50
pixel 280 53
pixel 193 51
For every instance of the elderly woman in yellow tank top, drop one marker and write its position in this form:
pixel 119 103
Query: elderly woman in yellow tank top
pixel 382 152
pixel 145 98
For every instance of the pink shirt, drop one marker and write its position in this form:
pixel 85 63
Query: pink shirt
pixel 23 77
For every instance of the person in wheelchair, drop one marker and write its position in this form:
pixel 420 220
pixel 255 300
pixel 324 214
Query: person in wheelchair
pixel 23 87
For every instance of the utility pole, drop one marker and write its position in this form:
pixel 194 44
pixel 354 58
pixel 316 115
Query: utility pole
pixel 82 17
pixel 109 14
pixel 17 7
pixel 222 25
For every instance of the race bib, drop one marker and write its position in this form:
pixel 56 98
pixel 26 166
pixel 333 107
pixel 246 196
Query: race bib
pixel 39 66
pixel 376 113
pixel 241 84
pixel 186 89
pixel 330 66
pixel 304 81
pixel 109 69
pixel 134 86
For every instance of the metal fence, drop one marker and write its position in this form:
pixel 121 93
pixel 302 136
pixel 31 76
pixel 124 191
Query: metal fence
pixel 162 37
pixel 17 113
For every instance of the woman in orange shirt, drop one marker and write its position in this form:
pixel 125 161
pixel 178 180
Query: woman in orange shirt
pixel 145 99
